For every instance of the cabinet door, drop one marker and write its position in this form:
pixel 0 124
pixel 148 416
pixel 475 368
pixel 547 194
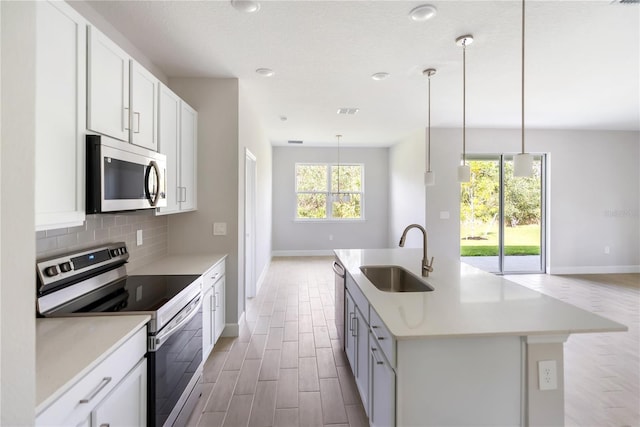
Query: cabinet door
pixel 188 158
pixel 207 323
pixel 219 308
pixel 144 107
pixel 350 344
pixel 382 388
pixel 60 116
pixel 107 87
pixel 126 405
pixel 169 144
pixel 362 358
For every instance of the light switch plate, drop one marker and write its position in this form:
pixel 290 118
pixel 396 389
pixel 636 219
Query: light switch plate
pixel 219 228
pixel 444 215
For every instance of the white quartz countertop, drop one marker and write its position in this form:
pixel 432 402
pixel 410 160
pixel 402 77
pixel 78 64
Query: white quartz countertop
pixel 70 347
pixel 465 302
pixel 180 264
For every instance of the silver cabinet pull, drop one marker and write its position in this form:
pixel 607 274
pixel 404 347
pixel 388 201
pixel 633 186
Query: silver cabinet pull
pixel 125 118
pixel 98 389
pixel 352 317
pixel 104 425
pixel 135 113
pixel 217 300
pixel 374 333
pixel 375 357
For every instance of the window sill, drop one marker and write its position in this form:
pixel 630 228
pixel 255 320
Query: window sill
pixel 325 221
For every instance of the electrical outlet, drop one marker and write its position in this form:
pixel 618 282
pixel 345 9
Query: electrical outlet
pixel 330 236
pixel 607 250
pixel 547 375
pixel 219 228
pixel 139 238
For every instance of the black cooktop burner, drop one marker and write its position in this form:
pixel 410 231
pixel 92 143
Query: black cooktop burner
pixel 137 293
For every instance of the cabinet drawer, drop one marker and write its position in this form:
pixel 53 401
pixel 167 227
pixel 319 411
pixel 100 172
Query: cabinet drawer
pixel 383 337
pixel 358 297
pixel 212 275
pixel 76 404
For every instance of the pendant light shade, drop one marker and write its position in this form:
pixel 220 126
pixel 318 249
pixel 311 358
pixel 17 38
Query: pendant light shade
pixel 523 162
pixel 429 176
pixel 464 171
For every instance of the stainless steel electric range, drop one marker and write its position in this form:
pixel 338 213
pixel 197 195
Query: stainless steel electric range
pixel 94 282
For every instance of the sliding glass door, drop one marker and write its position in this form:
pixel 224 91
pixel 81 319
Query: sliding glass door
pixel 502 217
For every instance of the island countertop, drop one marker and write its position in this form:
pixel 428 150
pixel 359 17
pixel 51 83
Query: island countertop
pixel 465 301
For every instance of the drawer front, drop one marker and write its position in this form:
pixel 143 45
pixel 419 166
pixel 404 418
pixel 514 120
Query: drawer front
pixel 358 297
pixel 385 340
pixel 212 275
pixel 76 404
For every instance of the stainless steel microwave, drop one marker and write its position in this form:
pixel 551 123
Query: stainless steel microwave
pixel 123 177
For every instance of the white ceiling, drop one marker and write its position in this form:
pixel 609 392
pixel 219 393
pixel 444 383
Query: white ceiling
pixel 582 62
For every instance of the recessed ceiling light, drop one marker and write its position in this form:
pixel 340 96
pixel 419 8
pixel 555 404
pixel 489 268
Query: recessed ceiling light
pixel 283 118
pixel 295 141
pixel 265 72
pixel 350 111
pixel 246 6
pixel 423 12
pixel 380 76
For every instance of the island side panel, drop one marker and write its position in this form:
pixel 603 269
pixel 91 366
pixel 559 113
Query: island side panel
pixel 459 381
pixel 545 407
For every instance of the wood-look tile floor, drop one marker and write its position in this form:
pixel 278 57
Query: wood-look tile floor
pixel 286 368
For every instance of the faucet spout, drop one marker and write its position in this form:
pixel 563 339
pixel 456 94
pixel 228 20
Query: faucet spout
pixel 427 265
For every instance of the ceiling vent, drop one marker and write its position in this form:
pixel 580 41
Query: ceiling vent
pixel 625 2
pixel 349 111
pixel 294 141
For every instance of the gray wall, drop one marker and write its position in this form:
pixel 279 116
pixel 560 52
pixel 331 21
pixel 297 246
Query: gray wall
pixel 17 219
pixel 593 198
pixel 291 237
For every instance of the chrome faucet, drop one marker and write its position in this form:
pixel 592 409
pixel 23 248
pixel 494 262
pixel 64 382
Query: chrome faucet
pixel 427 267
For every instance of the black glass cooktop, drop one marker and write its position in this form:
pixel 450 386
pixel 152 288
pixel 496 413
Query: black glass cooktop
pixel 135 293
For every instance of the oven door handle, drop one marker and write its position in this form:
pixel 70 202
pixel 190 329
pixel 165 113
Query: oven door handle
pixel 181 319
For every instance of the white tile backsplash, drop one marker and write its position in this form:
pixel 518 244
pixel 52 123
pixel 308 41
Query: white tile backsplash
pixel 105 228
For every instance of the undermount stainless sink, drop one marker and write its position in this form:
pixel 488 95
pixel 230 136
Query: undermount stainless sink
pixel 392 278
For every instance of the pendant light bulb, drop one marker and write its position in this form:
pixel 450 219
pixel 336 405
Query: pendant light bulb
pixel 464 171
pixel 429 175
pixel 523 162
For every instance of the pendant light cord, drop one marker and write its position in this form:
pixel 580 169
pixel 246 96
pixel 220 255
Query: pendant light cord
pixel 339 136
pixel 429 129
pixel 464 102
pixel 522 93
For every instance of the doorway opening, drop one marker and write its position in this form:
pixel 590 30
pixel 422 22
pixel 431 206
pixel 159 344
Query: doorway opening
pixel 250 184
pixel 502 217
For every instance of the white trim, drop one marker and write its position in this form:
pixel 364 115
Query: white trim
pixel 233 329
pixel 595 269
pixel 322 252
pixel 547 339
pixel 262 276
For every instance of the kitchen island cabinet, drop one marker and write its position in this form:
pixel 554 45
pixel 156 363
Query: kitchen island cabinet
pixel 474 342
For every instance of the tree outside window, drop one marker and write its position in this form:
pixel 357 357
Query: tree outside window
pixel 329 191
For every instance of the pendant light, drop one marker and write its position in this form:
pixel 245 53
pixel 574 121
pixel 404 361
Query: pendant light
pixel 429 176
pixel 464 171
pixel 523 162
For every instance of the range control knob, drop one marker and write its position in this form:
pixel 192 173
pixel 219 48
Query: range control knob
pixel 115 252
pixel 51 271
pixel 65 267
pixel 123 250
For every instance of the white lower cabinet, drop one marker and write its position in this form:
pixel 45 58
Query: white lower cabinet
pixel 213 307
pixel 357 344
pixel 113 393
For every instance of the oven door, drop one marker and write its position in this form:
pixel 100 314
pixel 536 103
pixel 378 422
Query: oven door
pixel 122 177
pixel 175 367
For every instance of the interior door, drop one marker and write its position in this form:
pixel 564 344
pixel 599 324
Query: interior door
pixel 250 225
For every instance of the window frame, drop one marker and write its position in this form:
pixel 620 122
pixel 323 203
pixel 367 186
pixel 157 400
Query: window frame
pixel 329 205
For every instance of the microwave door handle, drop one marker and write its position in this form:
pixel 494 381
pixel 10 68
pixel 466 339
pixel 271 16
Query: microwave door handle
pixel 152 189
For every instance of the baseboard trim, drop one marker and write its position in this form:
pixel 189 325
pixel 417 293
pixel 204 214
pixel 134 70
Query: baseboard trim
pixel 595 269
pixel 321 252
pixel 233 329
pixel 263 276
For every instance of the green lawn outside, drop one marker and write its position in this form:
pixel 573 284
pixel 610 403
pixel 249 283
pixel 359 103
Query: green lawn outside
pixel 520 240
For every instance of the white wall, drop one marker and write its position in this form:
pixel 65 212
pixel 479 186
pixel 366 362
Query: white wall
pixel 251 136
pixel 216 101
pixel 406 189
pixel 594 194
pixel 17 219
pixel 304 237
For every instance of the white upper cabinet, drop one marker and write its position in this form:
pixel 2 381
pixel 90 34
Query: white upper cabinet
pixel 107 87
pixel 144 107
pixel 188 158
pixel 60 116
pixel 178 141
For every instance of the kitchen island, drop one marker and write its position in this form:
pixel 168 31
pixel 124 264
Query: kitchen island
pixel 466 353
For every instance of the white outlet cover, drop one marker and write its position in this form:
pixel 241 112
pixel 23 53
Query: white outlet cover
pixel 139 238
pixel 445 215
pixel 547 375
pixel 219 228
